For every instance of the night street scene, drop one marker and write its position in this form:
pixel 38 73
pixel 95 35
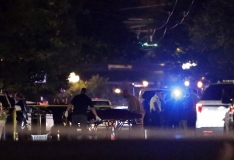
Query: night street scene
pixel 123 79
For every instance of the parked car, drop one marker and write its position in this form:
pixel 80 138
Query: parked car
pixel 214 110
pixel 102 103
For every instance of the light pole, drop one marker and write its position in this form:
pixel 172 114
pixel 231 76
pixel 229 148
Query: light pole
pixel 133 89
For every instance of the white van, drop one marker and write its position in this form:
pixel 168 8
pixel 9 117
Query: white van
pixel 212 112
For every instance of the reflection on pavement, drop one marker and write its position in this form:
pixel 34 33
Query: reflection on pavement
pixel 135 143
pixel 61 133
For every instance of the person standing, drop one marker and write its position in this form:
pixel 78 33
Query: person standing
pixel 190 105
pixel 146 106
pixel 80 104
pixel 155 109
pixel 163 114
pixel 21 116
pixel 172 112
pixel 134 105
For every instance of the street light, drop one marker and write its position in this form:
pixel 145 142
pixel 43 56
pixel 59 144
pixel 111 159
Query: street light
pixel 73 78
pixel 188 65
pixel 117 90
pixel 199 84
pixel 145 83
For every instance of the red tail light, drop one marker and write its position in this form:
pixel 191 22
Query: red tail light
pixel 199 107
pixel 231 109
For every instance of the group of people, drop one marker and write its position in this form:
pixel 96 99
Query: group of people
pixel 164 114
pixel 155 111
pixel 80 103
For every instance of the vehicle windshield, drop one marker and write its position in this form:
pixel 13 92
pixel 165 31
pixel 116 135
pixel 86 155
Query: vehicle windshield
pixel 215 92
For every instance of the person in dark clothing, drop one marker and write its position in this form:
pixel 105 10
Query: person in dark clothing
pixel 190 106
pixel 21 116
pixel 146 106
pixel 80 104
pixel 173 116
pixel 164 110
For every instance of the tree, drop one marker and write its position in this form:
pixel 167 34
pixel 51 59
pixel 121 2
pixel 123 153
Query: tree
pixel 42 37
pixel 34 37
pixel 212 41
pixel 74 88
pixel 108 39
pixel 97 87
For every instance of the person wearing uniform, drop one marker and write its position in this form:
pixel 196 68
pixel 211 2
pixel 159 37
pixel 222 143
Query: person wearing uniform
pixel 155 109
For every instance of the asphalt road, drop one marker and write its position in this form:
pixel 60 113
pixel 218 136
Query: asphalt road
pixel 137 143
pixel 173 149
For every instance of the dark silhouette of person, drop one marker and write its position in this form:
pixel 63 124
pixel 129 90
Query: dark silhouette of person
pixel 21 116
pixel 173 113
pixel 80 104
pixel 163 114
pixel 190 106
pixel 146 106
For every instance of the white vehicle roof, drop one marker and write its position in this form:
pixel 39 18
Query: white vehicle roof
pixel 210 109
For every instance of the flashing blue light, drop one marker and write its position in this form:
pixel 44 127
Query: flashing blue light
pixel 177 93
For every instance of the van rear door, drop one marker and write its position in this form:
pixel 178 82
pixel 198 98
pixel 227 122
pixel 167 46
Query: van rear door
pixel 210 109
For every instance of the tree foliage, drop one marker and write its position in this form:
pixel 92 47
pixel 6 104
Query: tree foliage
pixel 35 38
pixel 212 40
pixel 52 36
pixel 96 86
